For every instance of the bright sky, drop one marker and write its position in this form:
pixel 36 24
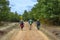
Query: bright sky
pixel 21 5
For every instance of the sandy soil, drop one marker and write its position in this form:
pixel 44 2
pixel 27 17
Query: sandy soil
pixel 26 34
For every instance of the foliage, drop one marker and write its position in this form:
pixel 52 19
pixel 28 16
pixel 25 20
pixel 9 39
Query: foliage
pixel 5 14
pixel 4 10
pixel 46 11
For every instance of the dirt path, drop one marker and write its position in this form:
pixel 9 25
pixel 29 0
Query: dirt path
pixel 10 25
pixel 27 34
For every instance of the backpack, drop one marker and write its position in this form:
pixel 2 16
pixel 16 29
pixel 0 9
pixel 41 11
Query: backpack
pixel 38 22
pixel 21 23
pixel 30 21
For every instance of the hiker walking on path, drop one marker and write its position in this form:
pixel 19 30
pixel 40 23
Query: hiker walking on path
pixel 38 24
pixel 30 22
pixel 21 24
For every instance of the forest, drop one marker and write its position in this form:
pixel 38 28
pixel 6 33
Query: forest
pixel 5 14
pixel 48 11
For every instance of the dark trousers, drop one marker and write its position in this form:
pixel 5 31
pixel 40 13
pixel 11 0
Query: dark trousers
pixel 38 27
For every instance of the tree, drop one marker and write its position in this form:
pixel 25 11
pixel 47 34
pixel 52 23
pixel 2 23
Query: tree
pixel 47 10
pixel 4 10
pixel 13 17
pixel 25 15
